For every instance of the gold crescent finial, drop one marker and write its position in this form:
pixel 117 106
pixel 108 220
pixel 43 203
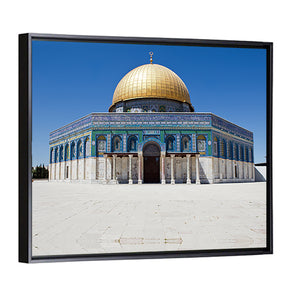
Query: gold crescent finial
pixel 151 53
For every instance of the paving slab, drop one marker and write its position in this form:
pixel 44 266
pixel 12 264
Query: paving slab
pixel 74 218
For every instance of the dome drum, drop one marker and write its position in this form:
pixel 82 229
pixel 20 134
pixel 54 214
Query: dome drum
pixel 151 105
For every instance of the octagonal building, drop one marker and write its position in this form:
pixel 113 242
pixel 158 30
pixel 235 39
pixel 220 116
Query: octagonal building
pixel 151 134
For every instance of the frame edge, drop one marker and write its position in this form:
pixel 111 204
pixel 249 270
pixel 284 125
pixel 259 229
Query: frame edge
pixel 25 159
pixel 24 147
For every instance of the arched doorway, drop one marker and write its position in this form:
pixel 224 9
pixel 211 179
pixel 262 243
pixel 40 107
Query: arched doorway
pixel 151 153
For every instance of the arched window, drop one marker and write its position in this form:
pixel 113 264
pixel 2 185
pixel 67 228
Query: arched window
pixel 215 147
pixel 51 156
pixel 61 153
pixel 117 144
pixel 170 143
pixel 79 149
pixel 223 149
pixel 73 151
pixel 101 145
pixel 241 153
pixel 201 143
pixel 56 154
pixel 185 144
pixel 67 152
pixel 247 154
pixel 87 149
pixel 230 150
pixel 132 144
pixel 236 152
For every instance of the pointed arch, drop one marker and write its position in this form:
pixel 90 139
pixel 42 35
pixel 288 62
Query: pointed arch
pixel 132 143
pixel 170 143
pixel 101 145
pixel 230 150
pixel 87 149
pixel 117 144
pixel 73 152
pixel 223 148
pixel 56 155
pixel 61 153
pixel 51 156
pixel 79 149
pixel 186 143
pixel 67 152
pixel 201 144
pixel 216 147
pixel 242 152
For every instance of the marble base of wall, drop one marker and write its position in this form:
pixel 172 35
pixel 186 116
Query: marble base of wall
pixel 92 170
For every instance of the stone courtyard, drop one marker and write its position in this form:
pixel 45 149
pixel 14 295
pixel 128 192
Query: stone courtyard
pixel 71 218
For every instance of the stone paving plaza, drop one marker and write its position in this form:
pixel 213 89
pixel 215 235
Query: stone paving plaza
pixel 91 218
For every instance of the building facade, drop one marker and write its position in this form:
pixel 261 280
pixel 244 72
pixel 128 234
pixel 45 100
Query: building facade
pixel 151 134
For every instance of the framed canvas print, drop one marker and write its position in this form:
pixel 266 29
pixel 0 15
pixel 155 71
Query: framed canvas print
pixel 143 148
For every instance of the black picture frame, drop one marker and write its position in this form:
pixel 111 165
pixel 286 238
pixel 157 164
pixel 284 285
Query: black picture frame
pixel 25 147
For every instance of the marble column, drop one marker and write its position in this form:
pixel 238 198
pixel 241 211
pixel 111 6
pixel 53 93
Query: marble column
pixel 140 169
pixel 105 169
pixel 114 168
pixel 172 169
pixel 197 169
pixel 232 165
pixel 220 167
pixel 50 170
pixel 163 174
pixel 242 169
pixel 130 169
pixel 109 159
pixel 188 177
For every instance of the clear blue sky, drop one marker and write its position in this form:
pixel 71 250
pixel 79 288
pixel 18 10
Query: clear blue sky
pixel 72 79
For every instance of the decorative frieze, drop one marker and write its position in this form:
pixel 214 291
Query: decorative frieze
pixel 98 121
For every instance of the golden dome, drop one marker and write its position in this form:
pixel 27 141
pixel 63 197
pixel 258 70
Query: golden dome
pixel 151 81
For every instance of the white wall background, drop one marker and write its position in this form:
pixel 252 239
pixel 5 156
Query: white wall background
pixel 249 277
